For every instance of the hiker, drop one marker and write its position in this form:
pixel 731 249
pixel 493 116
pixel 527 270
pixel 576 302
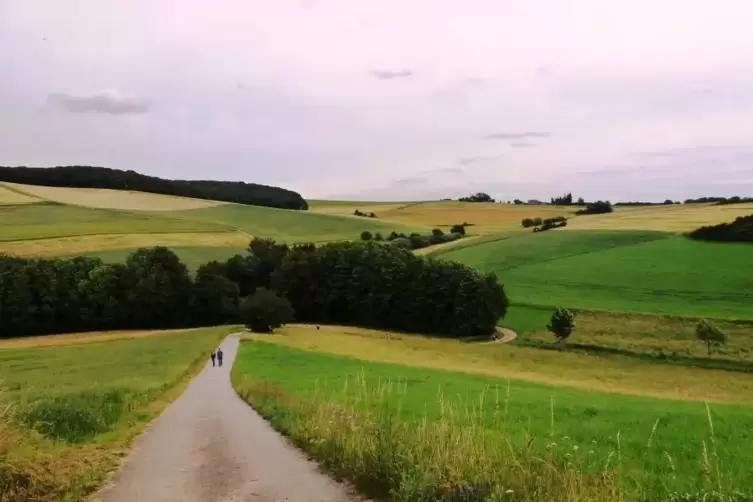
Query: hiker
pixel 219 356
pixel 213 355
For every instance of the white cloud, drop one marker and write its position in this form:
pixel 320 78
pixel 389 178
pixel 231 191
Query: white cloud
pixel 110 102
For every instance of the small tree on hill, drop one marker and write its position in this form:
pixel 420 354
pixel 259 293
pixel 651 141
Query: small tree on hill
pixel 366 235
pixel 706 331
pixel 378 237
pixel 562 324
pixel 264 311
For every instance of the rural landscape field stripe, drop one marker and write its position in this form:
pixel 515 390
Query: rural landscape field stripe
pixel 209 445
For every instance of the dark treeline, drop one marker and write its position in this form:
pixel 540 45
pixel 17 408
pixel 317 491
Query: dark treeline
pixel 477 197
pixel 598 207
pixel 667 202
pixel 358 212
pixel 416 240
pixel 363 284
pixel 564 200
pixel 102 177
pixel 740 230
pixel 720 201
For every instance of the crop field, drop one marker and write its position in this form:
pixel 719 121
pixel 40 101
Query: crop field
pixel 619 271
pixel 10 197
pixel 112 199
pixel 446 429
pixel 292 226
pixel 675 218
pixel 85 396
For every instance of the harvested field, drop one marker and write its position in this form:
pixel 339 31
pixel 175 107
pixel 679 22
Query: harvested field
pixel 113 199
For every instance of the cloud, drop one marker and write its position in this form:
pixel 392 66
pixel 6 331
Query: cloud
pixel 110 102
pixel 476 159
pixel 391 74
pixel 518 135
pixel 411 180
pixel 521 144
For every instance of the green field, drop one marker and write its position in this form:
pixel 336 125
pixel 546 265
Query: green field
pixel 652 447
pixel 291 226
pixel 40 221
pixel 85 399
pixel 633 271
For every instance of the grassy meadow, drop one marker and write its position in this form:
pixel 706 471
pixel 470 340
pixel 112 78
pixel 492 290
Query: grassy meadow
pixel 76 401
pixel 423 433
pixel 631 271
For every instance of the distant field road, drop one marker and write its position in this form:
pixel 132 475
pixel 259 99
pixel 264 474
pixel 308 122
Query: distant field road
pixel 211 446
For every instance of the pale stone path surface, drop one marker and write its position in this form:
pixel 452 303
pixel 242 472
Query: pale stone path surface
pixel 210 446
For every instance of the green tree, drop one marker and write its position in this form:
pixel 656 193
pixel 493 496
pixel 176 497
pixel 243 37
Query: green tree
pixel 562 324
pixel 264 311
pixel 378 237
pixel 215 297
pixel 366 235
pixel 708 332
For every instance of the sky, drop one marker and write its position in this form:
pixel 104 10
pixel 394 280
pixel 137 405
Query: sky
pixel 389 99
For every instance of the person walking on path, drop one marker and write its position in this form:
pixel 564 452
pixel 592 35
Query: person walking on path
pixel 219 356
pixel 213 355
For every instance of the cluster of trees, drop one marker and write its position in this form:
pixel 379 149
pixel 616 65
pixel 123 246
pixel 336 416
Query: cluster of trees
pixel 535 222
pixel 477 197
pixel 362 284
pixel 598 207
pixel 415 240
pixel 720 201
pixel 102 177
pixel 358 212
pixel 667 202
pixel 564 200
pixel 740 230
pixel 549 225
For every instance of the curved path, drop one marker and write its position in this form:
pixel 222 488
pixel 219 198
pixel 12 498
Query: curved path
pixel 209 446
pixel 508 335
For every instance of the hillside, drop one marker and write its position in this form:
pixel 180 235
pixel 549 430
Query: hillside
pixel 102 177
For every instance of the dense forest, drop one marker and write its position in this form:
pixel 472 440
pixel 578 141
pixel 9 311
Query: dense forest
pixel 103 177
pixel 740 230
pixel 364 284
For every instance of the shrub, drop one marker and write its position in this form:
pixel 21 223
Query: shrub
pixel 740 230
pixel 708 332
pixel 458 229
pixel 562 324
pixel 598 207
pixel 264 311
pixel 437 232
pixel 366 235
pixel 527 222
pixel 378 237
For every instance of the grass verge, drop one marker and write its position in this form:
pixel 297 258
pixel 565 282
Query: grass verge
pixel 71 411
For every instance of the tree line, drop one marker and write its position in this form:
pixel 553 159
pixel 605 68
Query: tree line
pixel 477 197
pixel 416 240
pixel 740 230
pixel 720 201
pixel 364 284
pixel 102 177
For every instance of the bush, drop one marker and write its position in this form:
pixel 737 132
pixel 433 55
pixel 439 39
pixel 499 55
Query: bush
pixel 264 311
pixel 562 324
pixel 740 230
pixel 366 235
pixel 458 229
pixel 598 207
pixel 527 222
pixel 708 332
pixel 378 237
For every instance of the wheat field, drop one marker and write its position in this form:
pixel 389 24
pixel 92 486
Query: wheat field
pixel 113 199
pixel 10 197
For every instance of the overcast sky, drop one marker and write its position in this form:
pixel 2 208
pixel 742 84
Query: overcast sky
pixel 388 99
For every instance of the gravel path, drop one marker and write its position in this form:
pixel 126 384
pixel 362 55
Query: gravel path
pixel 209 445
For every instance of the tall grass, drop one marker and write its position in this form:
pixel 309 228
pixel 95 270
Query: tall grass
pixel 367 431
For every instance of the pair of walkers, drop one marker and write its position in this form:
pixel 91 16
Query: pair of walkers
pixel 217 355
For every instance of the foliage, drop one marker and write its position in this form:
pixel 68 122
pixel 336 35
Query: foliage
pixel 706 331
pixel 598 207
pixel 565 200
pixel 477 197
pixel 264 311
pixel 366 235
pixel 372 285
pixel 102 177
pixel 562 323
pixel 358 212
pixel 548 225
pixel 378 237
pixel 740 230
pixel 215 297
pixel 534 222
pixel 458 229
pixel 720 200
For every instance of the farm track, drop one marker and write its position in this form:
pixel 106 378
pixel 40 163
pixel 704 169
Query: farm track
pixel 209 445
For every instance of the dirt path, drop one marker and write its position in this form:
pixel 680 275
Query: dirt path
pixel 210 446
pixel 508 335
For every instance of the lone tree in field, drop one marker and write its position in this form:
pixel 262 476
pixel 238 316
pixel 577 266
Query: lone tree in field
pixel 562 324
pixel 264 311
pixel 707 332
